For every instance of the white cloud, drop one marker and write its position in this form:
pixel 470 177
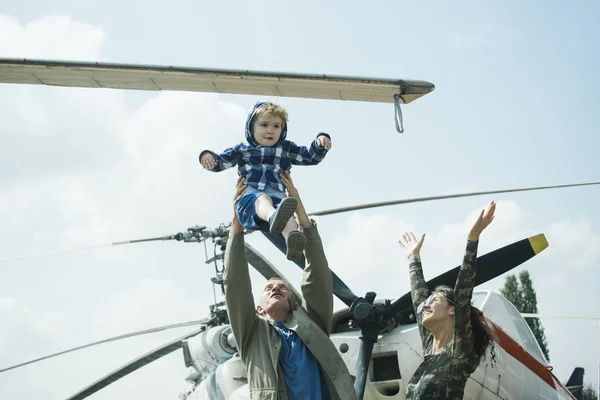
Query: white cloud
pixel 160 301
pixel 36 330
pixel 52 36
pixel 577 241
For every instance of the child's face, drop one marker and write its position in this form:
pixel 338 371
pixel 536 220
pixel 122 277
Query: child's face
pixel 267 130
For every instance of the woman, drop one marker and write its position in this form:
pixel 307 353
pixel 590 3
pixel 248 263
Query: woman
pixel 454 339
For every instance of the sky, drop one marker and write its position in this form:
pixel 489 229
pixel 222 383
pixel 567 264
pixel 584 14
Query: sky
pixel 515 105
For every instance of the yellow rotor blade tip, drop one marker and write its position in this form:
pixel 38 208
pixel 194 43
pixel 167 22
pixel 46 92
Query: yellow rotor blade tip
pixel 538 243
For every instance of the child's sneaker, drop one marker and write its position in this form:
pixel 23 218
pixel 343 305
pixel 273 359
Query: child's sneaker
pixel 282 215
pixel 295 245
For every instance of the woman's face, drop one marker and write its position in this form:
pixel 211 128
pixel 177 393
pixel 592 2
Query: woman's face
pixel 436 308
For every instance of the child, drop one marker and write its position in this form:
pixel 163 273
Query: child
pixel 264 205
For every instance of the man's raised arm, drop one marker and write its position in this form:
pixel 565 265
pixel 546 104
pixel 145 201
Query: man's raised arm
pixel 238 288
pixel 317 281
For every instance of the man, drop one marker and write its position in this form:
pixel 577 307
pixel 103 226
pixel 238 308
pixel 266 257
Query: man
pixel 286 347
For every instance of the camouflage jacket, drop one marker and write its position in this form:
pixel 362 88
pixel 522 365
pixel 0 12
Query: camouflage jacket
pixel 444 375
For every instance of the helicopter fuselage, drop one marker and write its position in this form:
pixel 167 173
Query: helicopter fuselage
pixel 514 369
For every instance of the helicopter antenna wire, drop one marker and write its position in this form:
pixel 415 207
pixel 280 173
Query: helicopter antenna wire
pixel 542 316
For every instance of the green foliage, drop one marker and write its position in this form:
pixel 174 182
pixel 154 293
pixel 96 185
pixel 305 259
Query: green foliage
pixel 589 393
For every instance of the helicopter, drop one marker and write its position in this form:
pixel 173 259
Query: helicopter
pixel 514 368
pixel 369 334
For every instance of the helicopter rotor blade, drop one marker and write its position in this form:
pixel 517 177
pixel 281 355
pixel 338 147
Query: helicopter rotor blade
pixel 340 289
pixel 133 366
pixel 440 197
pixel 112 339
pixel 143 77
pixel 365 352
pixel 170 237
pixel 195 234
pixel 489 266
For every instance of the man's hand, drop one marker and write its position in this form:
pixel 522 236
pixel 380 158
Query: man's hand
pixel 208 161
pixel 483 220
pixel 324 141
pixel 286 179
pixel 411 246
pixel 240 187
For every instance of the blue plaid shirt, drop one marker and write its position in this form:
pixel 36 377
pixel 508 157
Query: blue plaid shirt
pixel 260 166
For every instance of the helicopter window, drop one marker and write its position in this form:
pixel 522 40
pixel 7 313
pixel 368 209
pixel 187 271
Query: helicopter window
pixel 478 298
pixel 507 317
pixel 499 312
pixel 526 337
pixel 386 368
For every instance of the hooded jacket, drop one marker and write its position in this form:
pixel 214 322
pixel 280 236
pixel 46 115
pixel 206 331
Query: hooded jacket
pixel 259 165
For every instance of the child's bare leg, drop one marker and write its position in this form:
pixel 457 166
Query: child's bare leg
pixel 292 225
pixel 276 217
pixel 264 207
pixel 295 240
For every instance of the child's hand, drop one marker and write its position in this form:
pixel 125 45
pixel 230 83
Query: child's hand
pixel 208 161
pixel 323 141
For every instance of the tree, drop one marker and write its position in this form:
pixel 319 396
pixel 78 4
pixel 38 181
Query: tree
pixel 512 292
pixel 589 393
pixel 522 295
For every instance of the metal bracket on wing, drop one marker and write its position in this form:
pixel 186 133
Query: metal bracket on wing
pixel 398 111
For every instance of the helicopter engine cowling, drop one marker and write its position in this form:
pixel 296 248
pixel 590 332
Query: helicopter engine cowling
pixel 205 390
pixel 208 349
pixel 230 376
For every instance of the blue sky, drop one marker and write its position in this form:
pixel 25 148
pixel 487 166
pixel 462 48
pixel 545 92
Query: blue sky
pixel 515 105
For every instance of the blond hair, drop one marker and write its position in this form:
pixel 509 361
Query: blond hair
pixel 272 109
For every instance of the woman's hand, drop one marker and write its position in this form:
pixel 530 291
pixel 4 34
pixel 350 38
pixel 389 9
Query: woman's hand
pixel 483 220
pixel 411 246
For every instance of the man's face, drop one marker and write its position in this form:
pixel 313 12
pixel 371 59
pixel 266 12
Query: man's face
pixel 275 295
pixel 267 130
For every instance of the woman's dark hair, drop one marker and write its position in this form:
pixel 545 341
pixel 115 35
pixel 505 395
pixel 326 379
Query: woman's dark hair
pixel 481 337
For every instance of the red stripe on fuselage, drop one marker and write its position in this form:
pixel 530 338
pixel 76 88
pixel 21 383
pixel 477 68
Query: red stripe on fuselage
pixel 513 348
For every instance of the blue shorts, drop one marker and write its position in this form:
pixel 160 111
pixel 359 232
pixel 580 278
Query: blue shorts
pixel 246 211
